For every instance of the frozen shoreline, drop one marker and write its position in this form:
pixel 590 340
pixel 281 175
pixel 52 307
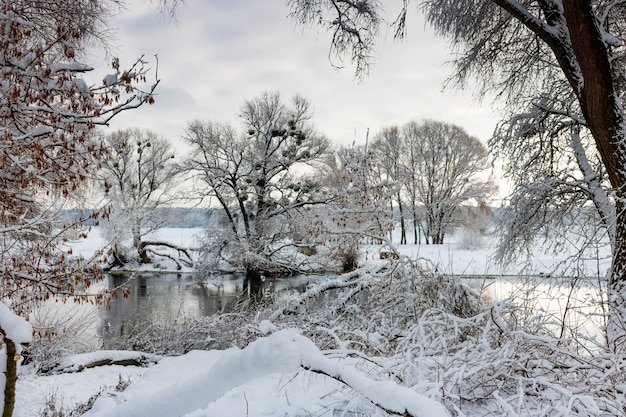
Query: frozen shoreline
pixel 448 258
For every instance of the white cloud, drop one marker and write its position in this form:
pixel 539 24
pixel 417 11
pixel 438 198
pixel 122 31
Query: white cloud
pixel 221 53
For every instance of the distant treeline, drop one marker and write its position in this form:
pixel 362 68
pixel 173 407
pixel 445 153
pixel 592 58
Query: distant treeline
pixel 182 217
pixel 185 217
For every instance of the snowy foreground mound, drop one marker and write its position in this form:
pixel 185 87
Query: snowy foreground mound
pixel 282 374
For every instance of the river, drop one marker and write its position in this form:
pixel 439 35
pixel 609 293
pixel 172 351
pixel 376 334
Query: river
pixel 170 297
pixel 578 303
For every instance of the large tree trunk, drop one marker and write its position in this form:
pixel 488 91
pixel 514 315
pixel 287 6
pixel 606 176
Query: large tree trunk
pixel 253 283
pixel 604 115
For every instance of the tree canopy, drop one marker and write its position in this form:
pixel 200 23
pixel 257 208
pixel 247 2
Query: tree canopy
pixel 250 174
pixel 559 67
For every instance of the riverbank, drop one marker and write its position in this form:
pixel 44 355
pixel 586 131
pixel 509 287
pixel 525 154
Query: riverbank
pixel 454 257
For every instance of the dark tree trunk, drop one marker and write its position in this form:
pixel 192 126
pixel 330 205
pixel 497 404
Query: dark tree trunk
pixel 596 93
pixel 350 261
pixel 253 283
pixel 11 376
pixel 417 235
pixel 603 113
pixel 402 225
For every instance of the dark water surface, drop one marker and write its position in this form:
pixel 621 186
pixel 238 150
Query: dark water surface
pixel 170 297
pixel 174 296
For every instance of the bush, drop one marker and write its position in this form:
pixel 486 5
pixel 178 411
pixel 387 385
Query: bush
pixel 59 332
pixel 470 238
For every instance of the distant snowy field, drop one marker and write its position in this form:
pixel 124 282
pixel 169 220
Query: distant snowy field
pixel 449 258
pixel 265 379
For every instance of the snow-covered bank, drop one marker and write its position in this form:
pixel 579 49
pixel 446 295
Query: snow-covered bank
pixel 165 391
pixel 283 374
pixel 452 257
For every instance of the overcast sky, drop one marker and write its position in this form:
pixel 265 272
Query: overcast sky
pixel 222 52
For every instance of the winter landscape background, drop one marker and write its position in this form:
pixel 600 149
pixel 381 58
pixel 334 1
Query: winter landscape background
pixel 211 225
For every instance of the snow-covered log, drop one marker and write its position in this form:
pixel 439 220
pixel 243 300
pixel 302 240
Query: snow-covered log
pixel 180 260
pixel 80 362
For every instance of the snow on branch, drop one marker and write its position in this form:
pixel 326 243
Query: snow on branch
pixel 14 327
pixel 80 362
pixel 354 278
pixel 391 397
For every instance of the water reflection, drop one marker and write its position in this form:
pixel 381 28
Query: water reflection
pixel 548 302
pixel 567 307
pixel 169 297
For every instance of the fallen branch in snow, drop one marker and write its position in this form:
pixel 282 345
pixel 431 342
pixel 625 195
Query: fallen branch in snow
pixel 144 249
pixel 394 399
pixel 80 362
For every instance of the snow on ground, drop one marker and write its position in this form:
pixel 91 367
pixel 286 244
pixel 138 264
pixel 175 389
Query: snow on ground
pixel 265 379
pixel 68 390
pixel 450 257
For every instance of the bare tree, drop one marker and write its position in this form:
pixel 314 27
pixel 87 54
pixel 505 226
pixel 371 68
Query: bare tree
pixel 358 206
pixel 138 178
pixel 252 177
pixel 388 147
pixel 559 63
pixel 412 170
pixel 447 167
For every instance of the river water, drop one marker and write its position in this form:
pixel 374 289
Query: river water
pixel 171 296
pixel 577 303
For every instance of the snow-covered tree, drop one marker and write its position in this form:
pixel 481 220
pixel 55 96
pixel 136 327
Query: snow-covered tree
pixel 388 147
pixel 358 205
pixel 251 175
pixel 47 115
pixel 138 178
pixel 46 142
pixel 447 165
pixel 559 67
pixel 561 75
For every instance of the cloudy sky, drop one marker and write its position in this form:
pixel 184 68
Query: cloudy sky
pixel 222 52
